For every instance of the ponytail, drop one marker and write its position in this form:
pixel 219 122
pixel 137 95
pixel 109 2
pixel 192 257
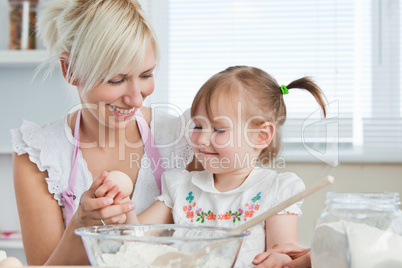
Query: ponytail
pixel 308 84
pixel 279 112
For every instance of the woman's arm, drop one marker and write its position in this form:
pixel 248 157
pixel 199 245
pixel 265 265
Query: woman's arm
pixel 89 213
pixel 40 216
pixel 45 239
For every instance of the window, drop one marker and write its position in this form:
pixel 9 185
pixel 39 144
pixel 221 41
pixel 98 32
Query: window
pixel 350 48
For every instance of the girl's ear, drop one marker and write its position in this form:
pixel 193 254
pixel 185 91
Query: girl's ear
pixel 265 135
pixel 64 68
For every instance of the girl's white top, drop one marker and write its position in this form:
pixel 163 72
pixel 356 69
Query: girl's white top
pixel 51 148
pixel 194 200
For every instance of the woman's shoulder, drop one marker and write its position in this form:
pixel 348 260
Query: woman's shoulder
pixel 50 147
pixel 171 131
pixel 166 123
pixel 33 135
pixel 167 113
pixel 47 145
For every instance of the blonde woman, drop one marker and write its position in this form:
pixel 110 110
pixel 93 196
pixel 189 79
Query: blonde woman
pixel 108 51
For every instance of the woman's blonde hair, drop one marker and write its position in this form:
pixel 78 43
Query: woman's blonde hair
pixel 96 38
pixel 261 94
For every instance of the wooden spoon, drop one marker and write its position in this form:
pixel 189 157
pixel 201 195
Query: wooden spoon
pixel 188 259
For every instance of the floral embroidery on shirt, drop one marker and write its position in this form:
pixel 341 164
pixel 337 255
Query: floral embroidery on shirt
pixel 190 197
pixel 250 209
pixel 256 198
pixel 188 210
pixel 201 216
pixel 236 215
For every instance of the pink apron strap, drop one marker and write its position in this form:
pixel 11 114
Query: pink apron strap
pixel 68 196
pixel 150 147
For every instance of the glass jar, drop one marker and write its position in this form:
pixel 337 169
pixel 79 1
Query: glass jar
pixel 358 230
pixel 22 24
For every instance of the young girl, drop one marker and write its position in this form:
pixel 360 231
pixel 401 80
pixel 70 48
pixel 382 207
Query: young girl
pixel 237 114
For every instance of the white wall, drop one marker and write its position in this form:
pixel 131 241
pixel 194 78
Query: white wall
pixel 8 208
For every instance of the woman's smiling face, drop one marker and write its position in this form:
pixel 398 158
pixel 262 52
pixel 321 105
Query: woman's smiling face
pixel 115 102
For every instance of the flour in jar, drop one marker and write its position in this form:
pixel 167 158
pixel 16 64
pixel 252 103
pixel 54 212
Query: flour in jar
pixel 142 255
pixel 369 247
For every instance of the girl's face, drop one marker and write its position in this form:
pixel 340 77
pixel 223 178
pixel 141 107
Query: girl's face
pixel 115 102
pixel 226 144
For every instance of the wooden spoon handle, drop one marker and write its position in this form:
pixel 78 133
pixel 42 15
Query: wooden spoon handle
pixel 273 211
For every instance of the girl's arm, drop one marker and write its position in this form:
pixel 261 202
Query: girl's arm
pixel 45 239
pixel 158 213
pixel 279 229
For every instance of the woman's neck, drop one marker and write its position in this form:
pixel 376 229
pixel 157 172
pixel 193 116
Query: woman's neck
pixel 94 134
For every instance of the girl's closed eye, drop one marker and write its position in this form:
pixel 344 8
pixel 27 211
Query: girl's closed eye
pixel 220 130
pixel 197 128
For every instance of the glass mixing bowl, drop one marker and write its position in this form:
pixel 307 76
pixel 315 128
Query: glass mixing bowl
pixel 140 245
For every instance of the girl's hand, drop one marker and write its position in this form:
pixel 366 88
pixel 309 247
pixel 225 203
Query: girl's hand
pixel 271 259
pixel 96 204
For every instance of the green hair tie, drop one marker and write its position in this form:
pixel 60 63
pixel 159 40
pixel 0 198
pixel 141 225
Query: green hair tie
pixel 285 90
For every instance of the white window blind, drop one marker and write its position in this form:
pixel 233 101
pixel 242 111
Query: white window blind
pixel 350 48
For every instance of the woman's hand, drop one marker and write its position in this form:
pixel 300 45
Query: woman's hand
pixel 297 257
pixel 300 256
pixel 102 201
pixel 271 259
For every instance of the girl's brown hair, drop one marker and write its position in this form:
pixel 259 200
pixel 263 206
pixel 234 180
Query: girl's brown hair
pixel 262 94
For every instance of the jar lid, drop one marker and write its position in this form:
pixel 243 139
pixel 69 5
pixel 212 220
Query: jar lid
pixel 32 1
pixel 356 199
